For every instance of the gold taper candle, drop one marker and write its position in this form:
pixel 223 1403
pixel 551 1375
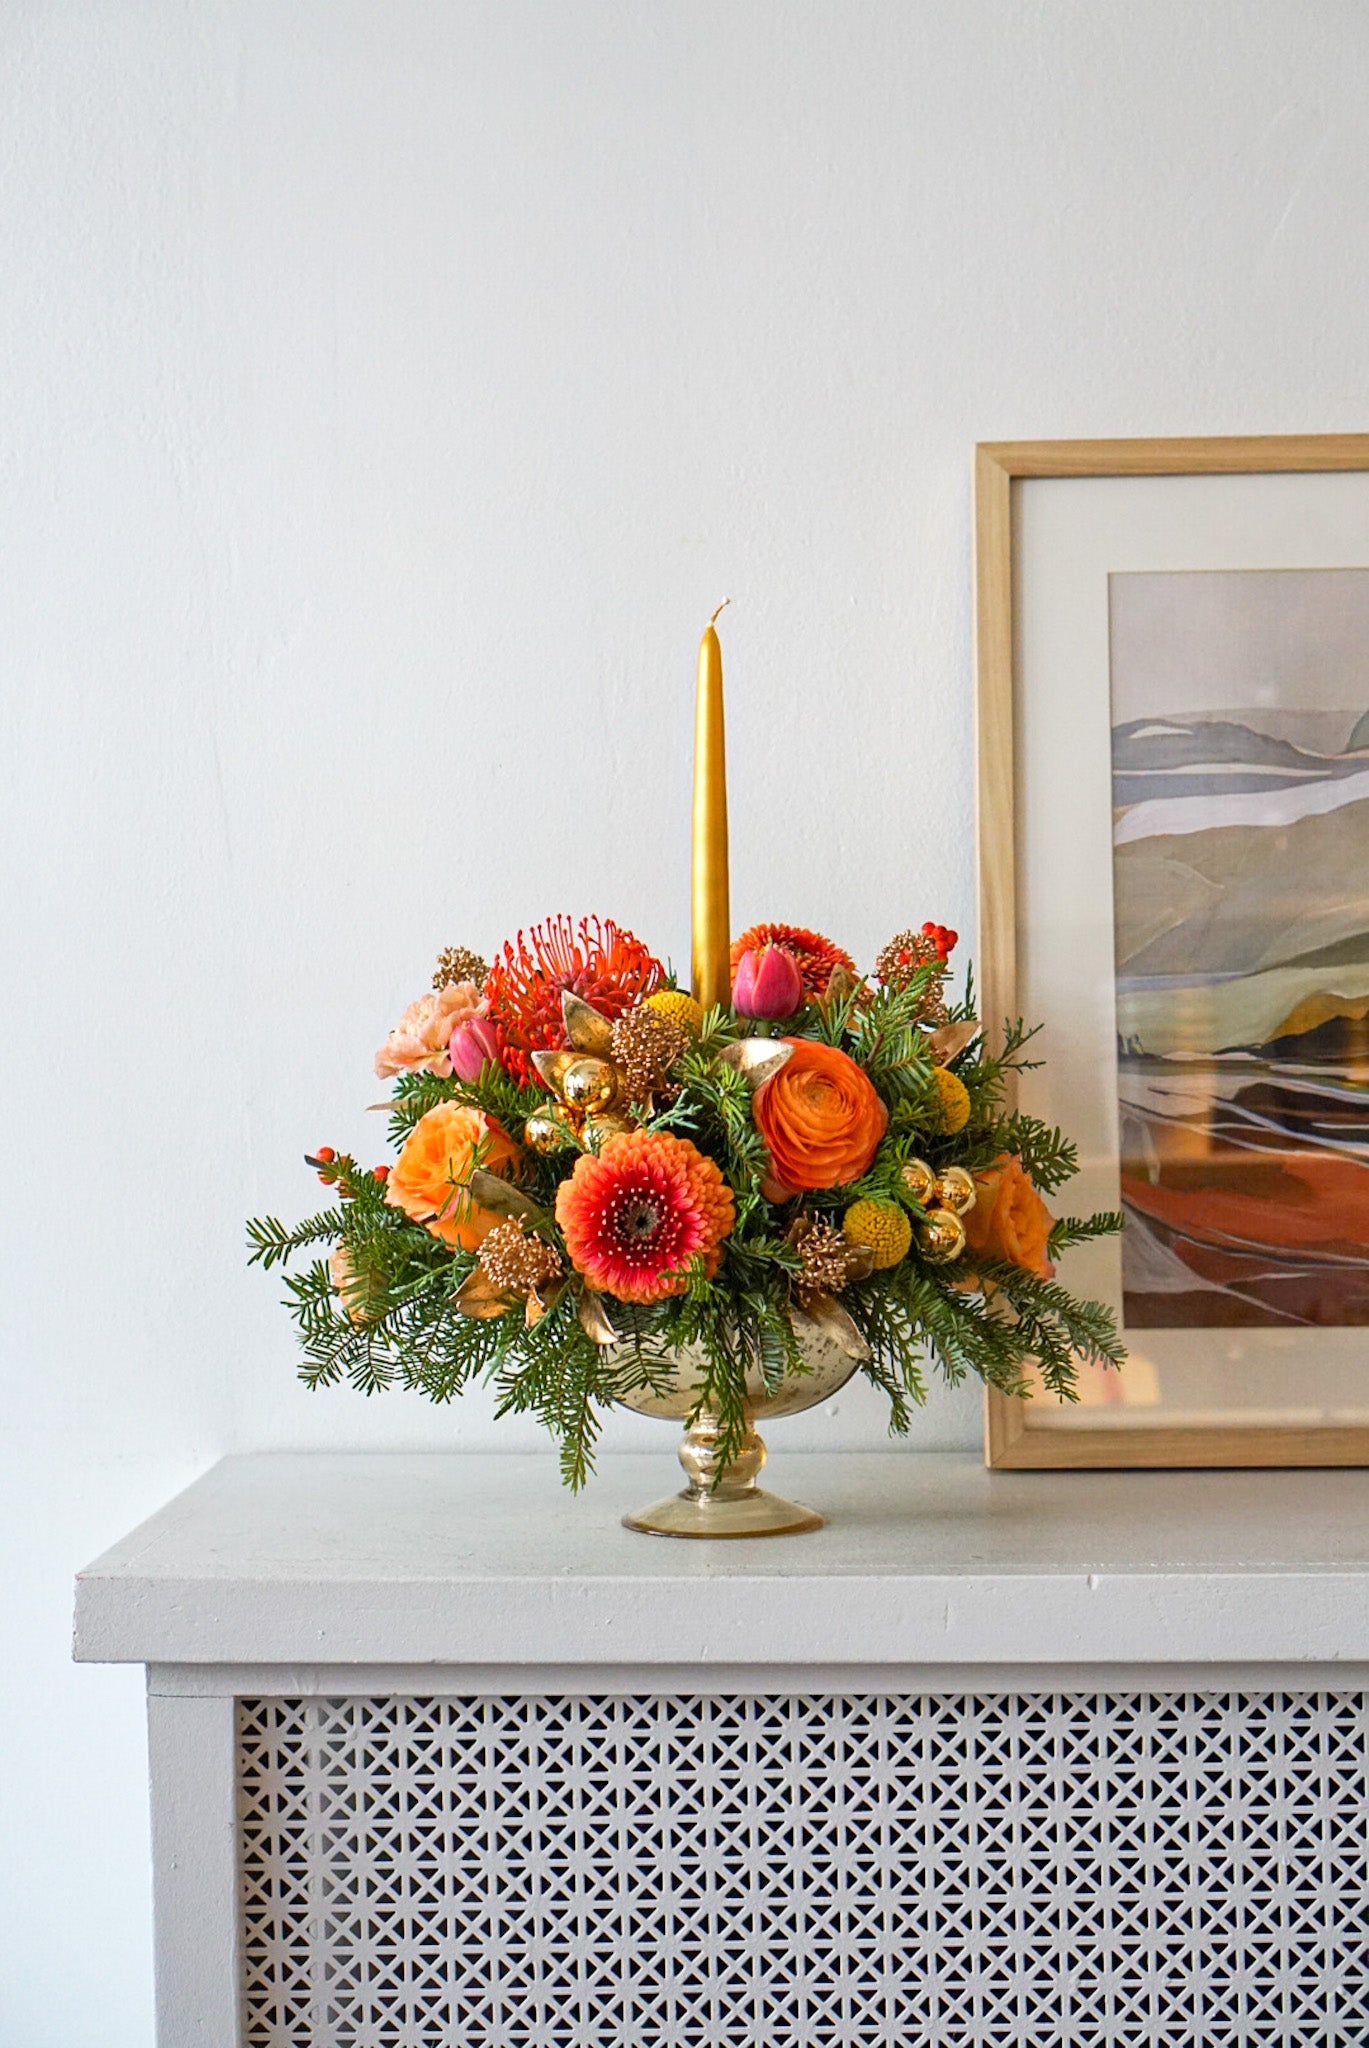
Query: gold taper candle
pixel 712 925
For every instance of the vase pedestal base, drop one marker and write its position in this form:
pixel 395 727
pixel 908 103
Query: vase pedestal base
pixel 722 1500
pixel 754 1513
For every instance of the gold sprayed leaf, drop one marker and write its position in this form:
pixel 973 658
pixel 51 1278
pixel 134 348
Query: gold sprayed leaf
pixel 540 1300
pixel 586 1029
pixel 840 984
pixel 490 1192
pixel 756 1059
pixel 949 1039
pixel 552 1067
pixel 825 1313
pixel 860 1261
pixel 477 1296
pixel 593 1320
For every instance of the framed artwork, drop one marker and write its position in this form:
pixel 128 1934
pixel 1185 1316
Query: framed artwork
pixel 1173 661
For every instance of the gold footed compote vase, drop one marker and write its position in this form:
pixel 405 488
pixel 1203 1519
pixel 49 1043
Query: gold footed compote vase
pixel 728 1501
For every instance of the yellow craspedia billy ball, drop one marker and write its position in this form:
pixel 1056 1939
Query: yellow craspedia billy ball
pixel 954 1099
pixel 882 1228
pixel 679 1007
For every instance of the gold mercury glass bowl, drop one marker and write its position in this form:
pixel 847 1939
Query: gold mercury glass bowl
pixel 735 1505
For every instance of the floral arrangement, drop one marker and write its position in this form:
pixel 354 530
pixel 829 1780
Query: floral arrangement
pixel 592 1173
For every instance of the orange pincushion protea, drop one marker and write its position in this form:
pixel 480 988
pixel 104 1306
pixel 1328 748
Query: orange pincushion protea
pixel 815 955
pixel 608 968
pixel 635 1216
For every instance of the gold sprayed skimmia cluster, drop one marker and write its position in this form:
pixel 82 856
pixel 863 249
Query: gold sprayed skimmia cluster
pixel 946 1197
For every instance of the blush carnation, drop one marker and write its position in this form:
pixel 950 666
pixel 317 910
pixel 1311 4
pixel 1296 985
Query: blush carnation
pixel 638 1214
pixel 418 1044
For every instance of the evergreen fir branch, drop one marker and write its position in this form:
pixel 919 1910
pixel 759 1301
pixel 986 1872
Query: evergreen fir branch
pixel 414 1096
pixel 1055 1329
pixel 500 1097
pixel 272 1241
pixel 831 1022
pixel 714 1109
pixel 1047 1155
pixel 901 1392
pixel 987 1075
pixel 889 1042
pixel 964 1010
pixel 1072 1230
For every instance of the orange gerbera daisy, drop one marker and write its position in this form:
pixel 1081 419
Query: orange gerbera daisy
pixel 610 969
pixel 428 1180
pixel 816 956
pixel 635 1216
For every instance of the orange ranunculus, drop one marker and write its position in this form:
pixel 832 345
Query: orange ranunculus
pixel 1009 1220
pixel 439 1155
pixel 820 1118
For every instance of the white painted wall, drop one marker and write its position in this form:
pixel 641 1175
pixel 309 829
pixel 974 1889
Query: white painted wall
pixel 390 392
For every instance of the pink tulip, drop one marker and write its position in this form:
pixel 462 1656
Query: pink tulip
pixel 472 1046
pixel 768 983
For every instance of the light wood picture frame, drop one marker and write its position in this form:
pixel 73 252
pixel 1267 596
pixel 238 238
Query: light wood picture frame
pixel 1308 1407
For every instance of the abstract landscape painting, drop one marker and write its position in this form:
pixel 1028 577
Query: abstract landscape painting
pixel 1240 762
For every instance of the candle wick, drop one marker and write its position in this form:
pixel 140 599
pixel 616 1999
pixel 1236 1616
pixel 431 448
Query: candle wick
pixel 719 612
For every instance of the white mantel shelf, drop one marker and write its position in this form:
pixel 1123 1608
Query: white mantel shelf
pixel 928 1562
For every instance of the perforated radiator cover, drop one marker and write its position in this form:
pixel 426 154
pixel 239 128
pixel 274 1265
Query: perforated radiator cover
pixel 1092 1869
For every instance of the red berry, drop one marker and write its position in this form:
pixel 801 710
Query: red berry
pixel 928 930
pixel 325 1152
pixel 327 1179
pixel 380 1173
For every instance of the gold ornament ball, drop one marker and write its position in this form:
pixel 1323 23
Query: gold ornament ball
pixel 942 1237
pixel 589 1084
pixel 920 1181
pixel 604 1125
pixel 678 1007
pixel 955 1189
pixel 882 1227
pixel 954 1100
pixel 545 1133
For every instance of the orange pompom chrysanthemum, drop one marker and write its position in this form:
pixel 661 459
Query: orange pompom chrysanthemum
pixel 637 1215
pixel 428 1180
pixel 815 955
pixel 607 967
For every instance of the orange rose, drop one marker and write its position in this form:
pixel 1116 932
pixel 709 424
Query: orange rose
pixel 1010 1221
pixel 821 1119
pixel 440 1153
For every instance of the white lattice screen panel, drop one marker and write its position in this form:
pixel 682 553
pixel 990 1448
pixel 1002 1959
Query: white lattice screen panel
pixel 1030 1871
